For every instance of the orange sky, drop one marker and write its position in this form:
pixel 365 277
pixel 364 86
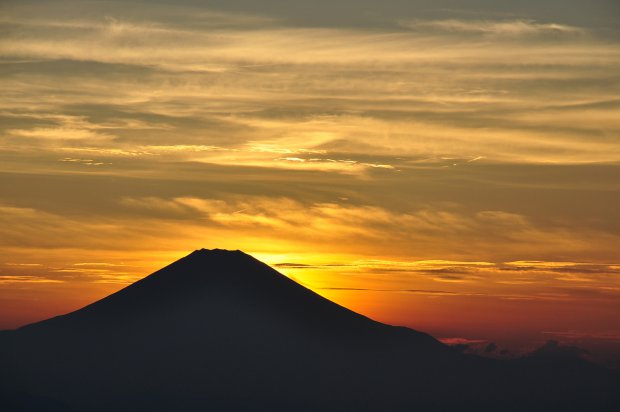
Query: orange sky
pixel 452 169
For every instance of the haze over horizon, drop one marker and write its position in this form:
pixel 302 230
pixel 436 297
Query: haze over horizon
pixel 450 166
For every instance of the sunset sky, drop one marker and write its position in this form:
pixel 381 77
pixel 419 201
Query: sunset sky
pixel 452 166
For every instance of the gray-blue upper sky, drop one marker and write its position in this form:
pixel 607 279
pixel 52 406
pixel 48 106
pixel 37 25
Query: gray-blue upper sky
pixel 382 13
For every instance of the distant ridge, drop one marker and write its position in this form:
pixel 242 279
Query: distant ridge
pixel 220 330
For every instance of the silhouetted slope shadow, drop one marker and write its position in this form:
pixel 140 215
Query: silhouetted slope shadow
pixel 219 330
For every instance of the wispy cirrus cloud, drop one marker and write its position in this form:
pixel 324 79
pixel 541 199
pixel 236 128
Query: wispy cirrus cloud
pixel 494 27
pixel 11 279
pixel 312 87
pixel 434 229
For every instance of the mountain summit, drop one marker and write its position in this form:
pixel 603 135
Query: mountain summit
pixel 219 330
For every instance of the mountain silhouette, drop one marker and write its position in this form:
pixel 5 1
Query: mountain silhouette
pixel 219 330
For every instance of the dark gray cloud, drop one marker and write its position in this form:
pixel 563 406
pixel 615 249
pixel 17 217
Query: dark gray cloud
pixel 553 349
pixel 490 348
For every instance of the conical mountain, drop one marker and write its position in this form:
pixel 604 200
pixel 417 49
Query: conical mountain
pixel 218 291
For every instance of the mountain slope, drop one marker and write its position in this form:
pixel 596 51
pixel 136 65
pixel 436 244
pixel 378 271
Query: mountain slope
pixel 221 330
